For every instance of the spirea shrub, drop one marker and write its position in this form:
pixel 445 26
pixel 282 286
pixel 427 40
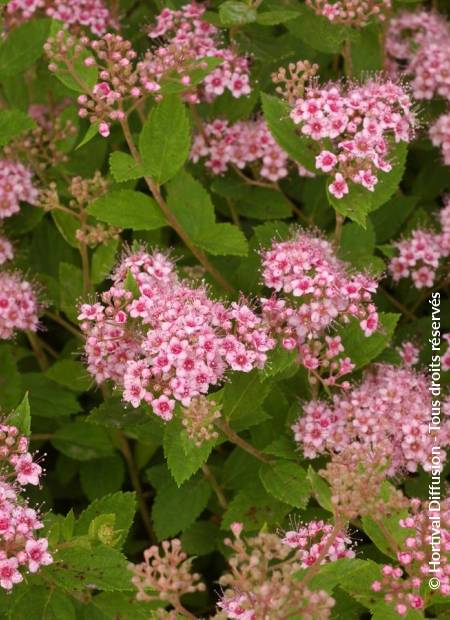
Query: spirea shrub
pixel 224 312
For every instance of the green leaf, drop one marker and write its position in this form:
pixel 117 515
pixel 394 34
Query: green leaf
pixel 193 209
pixel 176 508
pixel 356 244
pixel 243 395
pixel 359 202
pixel 223 240
pixel 102 568
pixel 101 477
pixel 88 136
pixel 234 13
pixel 165 140
pixel 200 538
pixel 47 398
pixel 23 46
pixel 275 17
pixel 366 51
pixel 122 505
pixel 283 129
pixel 103 259
pixel 42 603
pixel 389 218
pixel 255 508
pixel 21 417
pixel 287 482
pixel 121 606
pixel 67 225
pixel 320 489
pixel 362 349
pixel 10 381
pixel 123 167
pixel 184 458
pixel 82 441
pixel 127 209
pixel 318 31
pixel 383 611
pixel 71 289
pixel 258 203
pixel 86 76
pixel 12 124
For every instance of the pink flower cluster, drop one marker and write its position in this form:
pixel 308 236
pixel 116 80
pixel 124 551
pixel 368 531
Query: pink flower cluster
pixel 19 307
pixel 440 136
pixel 16 185
pixel 315 292
pixel 6 250
pixel 403 587
pixel 246 142
pixel 354 126
pixel 352 12
pixel 184 29
pixel 167 341
pixel 418 45
pixel 423 253
pixel 92 14
pixel 390 407
pixel 312 539
pixel 20 549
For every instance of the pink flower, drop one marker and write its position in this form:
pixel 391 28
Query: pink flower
pixel 163 407
pixel 339 187
pixel 37 554
pixel 326 161
pixel 27 471
pixel 9 575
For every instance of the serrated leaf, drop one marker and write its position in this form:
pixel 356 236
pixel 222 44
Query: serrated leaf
pixel 122 505
pixel 259 203
pixel 21 416
pixel 191 204
pixel 318 31
pixel 362 349
pixel 88 136
pixel 42 603
pixel 123 167
pixel 23 46
pixel 71 289
pixel 71 374
pixel 254 507
pixel 165 139
pixel 128 209
pixel 47 398
pixel 12 124
pixel 200 538
pixel 320 489
pixel 176 508
pixel 121 606
pixel 82 441
pixel 287 482
pixel 275 17
pixel 235 13
pixel 183 458
pixel 283 129
pixel 101 477
pixel 102 568
pixel 103 259
pixel 243 395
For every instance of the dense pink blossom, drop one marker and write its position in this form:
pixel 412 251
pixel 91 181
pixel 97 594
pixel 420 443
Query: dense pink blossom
pixel 423 252
pixel 440 136
pixel 94 14
pixel 418 45
pixel 355 125
pixel 167 341
pixel 6 250
pixel 243 143
pixel 20 548
pixel 19 307
pixel 16 185
pixel 409 353
pixel 352 12
pixel 314 293
pixel 392 404
pixel 310 541
pixel 403 587
pixel 185 32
